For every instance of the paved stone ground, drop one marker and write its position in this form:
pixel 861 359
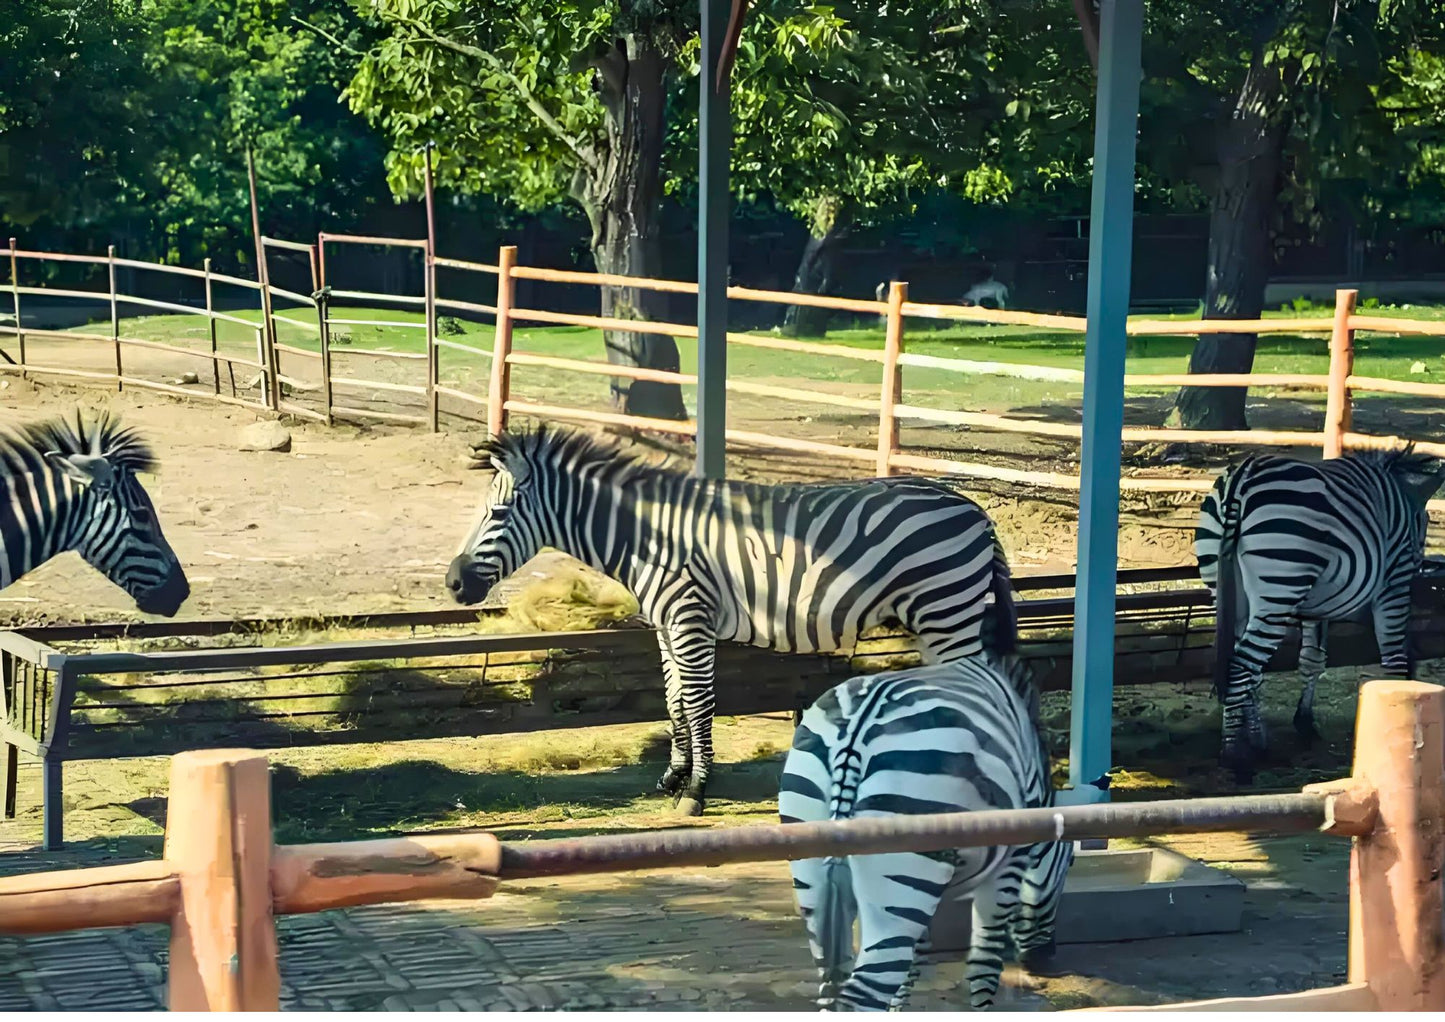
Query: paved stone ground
pixel 713 939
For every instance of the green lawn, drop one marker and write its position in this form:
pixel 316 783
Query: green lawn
pixel 1377 355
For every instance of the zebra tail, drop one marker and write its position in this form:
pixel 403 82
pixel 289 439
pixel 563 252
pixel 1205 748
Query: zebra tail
pixel 1226 604
pixel 1005 637
pixel 834 918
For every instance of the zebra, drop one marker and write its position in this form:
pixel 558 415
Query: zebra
pixel 795 568
pixel 1314 542
pixel 72 486
pixel 943 738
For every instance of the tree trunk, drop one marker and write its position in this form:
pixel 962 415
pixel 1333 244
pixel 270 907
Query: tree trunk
pixel 621 195
pixel 830 222
pixel 1250 146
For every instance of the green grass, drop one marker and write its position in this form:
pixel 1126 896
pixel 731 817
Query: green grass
pixel 1376 355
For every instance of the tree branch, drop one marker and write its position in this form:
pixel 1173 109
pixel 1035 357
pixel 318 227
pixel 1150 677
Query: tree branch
pixel 544 116
pixel 343 47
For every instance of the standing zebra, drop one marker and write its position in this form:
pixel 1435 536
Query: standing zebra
pixel 73 487
pixel 1314 542
pixel 793 568
pixel 945 738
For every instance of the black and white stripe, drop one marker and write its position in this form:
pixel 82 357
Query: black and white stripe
pixel 72 486
pixel 792 568
pixel 1283 540
pixel 945 738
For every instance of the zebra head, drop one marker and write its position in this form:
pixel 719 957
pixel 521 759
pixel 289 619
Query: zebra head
pixel 1418 475
pixel 114 525
pixel 505 534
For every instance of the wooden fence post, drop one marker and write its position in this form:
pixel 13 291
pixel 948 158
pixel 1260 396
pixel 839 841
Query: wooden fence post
pixel 1395 883
pixel 218 839
pixel 501 378
pixel 433 353
pixel 114 316
pixel 15 303
pixel 892 393
pixel 211 320
pixel 323 327
pixel 1342 363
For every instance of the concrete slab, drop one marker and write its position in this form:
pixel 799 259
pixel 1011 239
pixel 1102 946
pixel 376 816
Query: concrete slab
pixel 1123 894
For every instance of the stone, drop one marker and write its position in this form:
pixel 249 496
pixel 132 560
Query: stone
pixel 265 436
pixel 1418 368
pixel 186 378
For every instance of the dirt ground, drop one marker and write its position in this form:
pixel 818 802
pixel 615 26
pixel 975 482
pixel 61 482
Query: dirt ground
pixel 365 518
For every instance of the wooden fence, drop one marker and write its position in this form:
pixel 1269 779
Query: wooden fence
pixel 222 880
pixel 1339 385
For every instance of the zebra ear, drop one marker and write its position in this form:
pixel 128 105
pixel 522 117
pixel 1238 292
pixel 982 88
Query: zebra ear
pixel 86 469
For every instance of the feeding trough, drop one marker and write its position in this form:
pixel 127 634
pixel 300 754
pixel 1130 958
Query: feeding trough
pixel 1123 894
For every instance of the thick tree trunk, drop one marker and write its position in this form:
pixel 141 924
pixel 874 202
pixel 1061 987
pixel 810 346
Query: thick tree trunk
pixel 1240 249
pixel 830 222
pixel 621 196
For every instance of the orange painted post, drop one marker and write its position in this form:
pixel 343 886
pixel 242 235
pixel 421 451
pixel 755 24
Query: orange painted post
pixel 218 841
pixel 501 378
pixel 892 393
pixel 1396 906
pixel 1342 364
pixel 114 316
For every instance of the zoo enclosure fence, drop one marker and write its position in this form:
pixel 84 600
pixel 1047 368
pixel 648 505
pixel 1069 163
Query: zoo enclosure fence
pixel 499 403
pixel 222 880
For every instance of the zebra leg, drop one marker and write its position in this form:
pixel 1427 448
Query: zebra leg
pixel 1243 728
pixel 1391 614
pixel 694 652
pixel 994 905
pixel 680 762
pixel 1312 660
pixel 897 895
pixel 923 947
pixel 833 950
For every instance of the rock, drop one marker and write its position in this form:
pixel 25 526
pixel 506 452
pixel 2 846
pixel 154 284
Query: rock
pixel 265 436
pixel 1418 368
pixel 186 378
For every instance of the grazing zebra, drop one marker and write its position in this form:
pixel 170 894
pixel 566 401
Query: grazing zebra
pixel 945 738
pixel 793 568
pixel 1315 542
pixel 70 486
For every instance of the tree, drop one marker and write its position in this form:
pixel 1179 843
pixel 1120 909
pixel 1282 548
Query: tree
pixel 67 110
pixel 1291 93
pixel 541 101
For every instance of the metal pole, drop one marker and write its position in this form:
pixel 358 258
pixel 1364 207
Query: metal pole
pixel 114 317
pixel 714 145
pixel 432 354
pixel 15 304
pixel 933 832
pixel 1111 223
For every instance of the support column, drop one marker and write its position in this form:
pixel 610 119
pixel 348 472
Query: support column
pixel 1111 226
pixel 714 148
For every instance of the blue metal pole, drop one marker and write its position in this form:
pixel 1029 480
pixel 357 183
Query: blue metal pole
pixel 1111 227
pixel 714 145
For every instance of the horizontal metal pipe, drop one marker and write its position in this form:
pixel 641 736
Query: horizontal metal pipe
pixel 716 846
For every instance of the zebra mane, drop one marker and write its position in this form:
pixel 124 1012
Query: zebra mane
pixel 554 446
pixel 1403 460
pixel 104 435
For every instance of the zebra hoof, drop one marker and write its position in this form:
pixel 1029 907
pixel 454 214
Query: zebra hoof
pixel 1305 728
pixel 670 783
pixel 689 806
pixel 1240 762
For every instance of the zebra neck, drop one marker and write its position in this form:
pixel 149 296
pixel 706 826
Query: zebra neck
pixel 40 516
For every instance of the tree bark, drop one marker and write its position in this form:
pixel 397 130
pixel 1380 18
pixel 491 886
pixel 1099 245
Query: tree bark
pixel 830 222
pixel 1250 146
pixel 621 196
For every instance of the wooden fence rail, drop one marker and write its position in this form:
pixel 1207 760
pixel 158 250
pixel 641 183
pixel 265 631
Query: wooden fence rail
pixel 222 881
pixel 1339 385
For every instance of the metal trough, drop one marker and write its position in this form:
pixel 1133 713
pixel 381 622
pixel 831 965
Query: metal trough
pixel 1124 894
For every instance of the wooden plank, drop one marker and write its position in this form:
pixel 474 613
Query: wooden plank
pixel 313 878
pixel 79 899
pixel 1349 997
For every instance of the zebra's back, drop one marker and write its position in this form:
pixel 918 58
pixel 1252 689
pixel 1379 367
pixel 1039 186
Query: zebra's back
pixel 806 569
pixel 1328 529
